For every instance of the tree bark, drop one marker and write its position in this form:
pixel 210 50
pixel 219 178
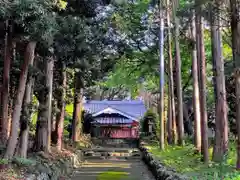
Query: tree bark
pixel 172 137
pixel 5 87
pixel 178 65
pixel 202 80
pixel 43 129
pixel 10 103
pixel 235 27
pixel 196 101
pixel 29 55
pixel 161 69
pixel 41 135
pixel 237 79
pixel 49 83
pixel 26 116
pixel 59 126
pixel 169 47
pixel 78 94
pixel 221 135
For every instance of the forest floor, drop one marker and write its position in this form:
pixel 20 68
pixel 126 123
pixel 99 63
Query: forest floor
pixel 186 161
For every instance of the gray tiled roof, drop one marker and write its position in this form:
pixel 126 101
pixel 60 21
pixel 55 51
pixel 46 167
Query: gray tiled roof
pixel 133 108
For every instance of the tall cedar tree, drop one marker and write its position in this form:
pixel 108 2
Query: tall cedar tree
pixel 77 107
pixel 6 80
pixel 178 66
pixel 202 79
pixel 196 101
pixel 162 71
pixel 221 137
pixel 235 27
pixel 59 126
pixel 12 142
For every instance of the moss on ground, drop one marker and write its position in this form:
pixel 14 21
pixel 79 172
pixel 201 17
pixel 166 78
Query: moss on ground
pixel 186 161
pixel 113 175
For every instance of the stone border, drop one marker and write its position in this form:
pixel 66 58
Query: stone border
pixel 158 169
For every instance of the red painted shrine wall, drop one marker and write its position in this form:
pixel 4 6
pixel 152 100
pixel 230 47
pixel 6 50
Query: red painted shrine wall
pixel 120 131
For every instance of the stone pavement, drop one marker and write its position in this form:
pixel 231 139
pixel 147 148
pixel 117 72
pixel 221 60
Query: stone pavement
pixel 91 169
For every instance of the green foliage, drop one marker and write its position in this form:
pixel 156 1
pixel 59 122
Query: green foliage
pixel 5 7
pixel 123 75
pixel 23 161
pixel 138 63
pixel 69 109
pixel 132 69
pixel 4 161
pixel 185 160
pixel 62 4
pixel 33 19
pixel 36 18
pixel 70 40
pixel 149 117
pixel 127 18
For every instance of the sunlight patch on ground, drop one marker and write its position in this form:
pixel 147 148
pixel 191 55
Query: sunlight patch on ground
pixel 120 165
pixel 113 175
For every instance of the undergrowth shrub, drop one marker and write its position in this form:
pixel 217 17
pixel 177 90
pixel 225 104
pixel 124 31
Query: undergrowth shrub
pixel 23 161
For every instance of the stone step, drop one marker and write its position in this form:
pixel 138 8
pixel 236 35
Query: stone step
pixel 112 158
pixel 106 154
pixel 118 150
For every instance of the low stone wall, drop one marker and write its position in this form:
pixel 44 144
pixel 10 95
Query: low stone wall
pixel 46 169
pixel 160 171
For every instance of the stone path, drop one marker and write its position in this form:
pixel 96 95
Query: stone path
pixel 91 169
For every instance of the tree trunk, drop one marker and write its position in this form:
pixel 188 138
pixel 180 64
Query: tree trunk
pixel 221 135
pixel 49 83
pixel 23 148
pixel 237 79
pixel 179 82
pixel 196 102
pixel 78 94
pixel 5 87
pixel 10 110
pixel 26 116
pixel 235 26
pixel 162 71
pixel 202 80
pixel 10 103
pixel 172 137
pixel 59 127
pixel 54 117
pixel 41 135
pixel 29 55
pixel 43 130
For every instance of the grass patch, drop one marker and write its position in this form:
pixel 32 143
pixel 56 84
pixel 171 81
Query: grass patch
pixel 186 161
pixel 113 175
